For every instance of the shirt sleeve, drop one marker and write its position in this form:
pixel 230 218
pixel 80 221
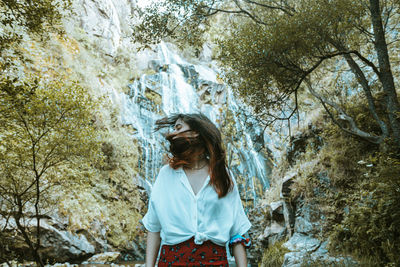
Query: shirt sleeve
pixel 150 221
pixel 241 223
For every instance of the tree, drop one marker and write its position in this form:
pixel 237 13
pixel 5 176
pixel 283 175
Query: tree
pixel 46 130
pixel 34 17
pixel 275 51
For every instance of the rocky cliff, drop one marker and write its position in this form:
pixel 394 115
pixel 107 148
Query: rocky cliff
pixel 102 213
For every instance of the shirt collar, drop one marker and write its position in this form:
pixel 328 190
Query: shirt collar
pixel 184 180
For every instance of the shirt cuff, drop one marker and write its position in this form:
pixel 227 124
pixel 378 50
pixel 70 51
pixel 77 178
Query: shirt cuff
pixel 149 226
pixel 239 239
pixel 244 228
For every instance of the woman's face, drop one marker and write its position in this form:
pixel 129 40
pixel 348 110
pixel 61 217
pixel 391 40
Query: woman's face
pixel 181 126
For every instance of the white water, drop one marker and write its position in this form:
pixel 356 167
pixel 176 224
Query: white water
pixel 179 84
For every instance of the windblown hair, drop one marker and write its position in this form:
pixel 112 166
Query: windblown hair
pixel 210 138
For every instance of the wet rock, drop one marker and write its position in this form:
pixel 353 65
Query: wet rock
pixel 277 211
pixel 301 246
pixel 100 19
pixel 309 218
pixel 260 220
pixel 67 264
pixel 155 64
pixel 293 259
pixel 189 72
pixel 211 93
pixel 288 206
pixel 136 249
pixel 206 53
pixel 288 180
pixel 300 242
pixel 104 258
pixel 273 233
pixel 301 140
pixel 58 244
pixel 303 226
pixel 320 257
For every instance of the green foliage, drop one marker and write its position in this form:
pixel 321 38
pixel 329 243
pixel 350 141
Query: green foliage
pixel 274 51
pixel 355 185
pixel 371 230
pixel 44 123
pixel 359 196
pixel 94 187
pixel 102 206
pixel 268 61
pixel 34 17
pixel 174 19
pixel 47 142
pixel 309 261
pixel 273 256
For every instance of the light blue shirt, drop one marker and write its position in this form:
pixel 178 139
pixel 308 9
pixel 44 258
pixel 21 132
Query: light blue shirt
pixel 178 214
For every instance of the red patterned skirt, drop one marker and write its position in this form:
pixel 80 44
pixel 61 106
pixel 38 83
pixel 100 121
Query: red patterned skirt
pixel 188 253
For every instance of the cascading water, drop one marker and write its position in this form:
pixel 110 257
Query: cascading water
pixel 178 86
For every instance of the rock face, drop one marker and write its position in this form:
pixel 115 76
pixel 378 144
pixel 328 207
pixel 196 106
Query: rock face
pixel 299 221
pixel 108 20
pixel 298 142
pixel 99 36
pixel 104 258
pixel 58 244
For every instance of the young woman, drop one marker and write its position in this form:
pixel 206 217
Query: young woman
pixel 195 208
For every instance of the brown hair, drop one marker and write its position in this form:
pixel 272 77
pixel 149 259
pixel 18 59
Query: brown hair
pixel 210 136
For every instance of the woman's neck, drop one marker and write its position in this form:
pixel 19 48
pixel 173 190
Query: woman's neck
pixel 197 164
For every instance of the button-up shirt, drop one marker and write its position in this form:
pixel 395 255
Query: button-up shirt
pixel 179 214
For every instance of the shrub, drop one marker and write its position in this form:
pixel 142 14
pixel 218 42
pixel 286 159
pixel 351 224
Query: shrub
pixel 274 255
pixel 371 230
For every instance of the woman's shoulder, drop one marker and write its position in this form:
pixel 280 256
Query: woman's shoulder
pixel 166 172
pixel 164 178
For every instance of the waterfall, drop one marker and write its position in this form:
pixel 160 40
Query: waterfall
pixel 178 86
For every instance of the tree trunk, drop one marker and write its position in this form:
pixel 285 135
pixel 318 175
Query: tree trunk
pixel 386 76
pixel 17 217
pixel 37 247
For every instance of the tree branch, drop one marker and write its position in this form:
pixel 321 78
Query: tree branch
pixel 354 130
pixel 270 7
pixel 240 11
pixel 365 60
pixel 367 91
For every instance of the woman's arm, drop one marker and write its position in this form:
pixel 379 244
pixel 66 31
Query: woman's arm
pixel 153 245
pixel 239 252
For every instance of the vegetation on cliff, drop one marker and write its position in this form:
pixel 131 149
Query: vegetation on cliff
pixel 287 57
pixel 46 128
pixel 354 183
pixel 275 51
pixel 63 152
pixel 35 17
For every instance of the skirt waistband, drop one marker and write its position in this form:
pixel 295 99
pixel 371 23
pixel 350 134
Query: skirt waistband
pixel 188 253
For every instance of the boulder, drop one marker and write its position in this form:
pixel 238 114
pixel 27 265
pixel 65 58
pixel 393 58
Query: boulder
pixel 155 64
pixel 300 247
pixel 300 242
pixel 288 205
pixel 320 257
pixel 277 211
pixel 58 244
pixel 104 258
pixel 303 226
pixel 273 233
pixel 293 259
